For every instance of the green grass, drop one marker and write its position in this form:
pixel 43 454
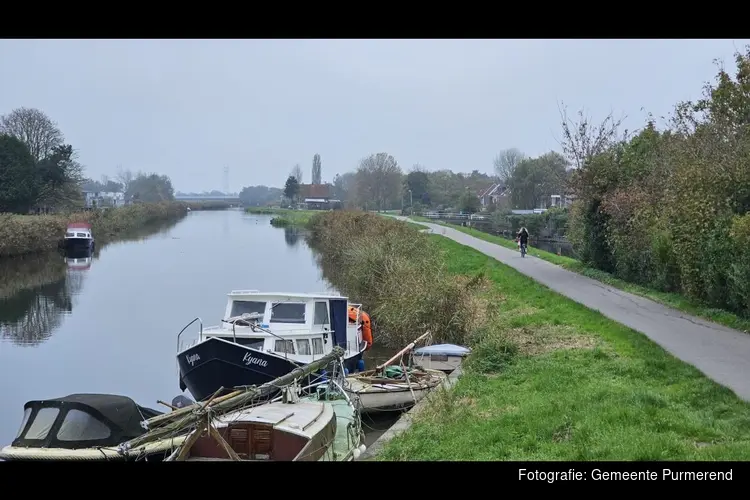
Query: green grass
pixel 575 386
pixel 675 300
pixel 285 217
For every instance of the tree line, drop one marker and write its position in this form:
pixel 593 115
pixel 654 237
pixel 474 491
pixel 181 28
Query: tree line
pixel 668 206
pixel 39 170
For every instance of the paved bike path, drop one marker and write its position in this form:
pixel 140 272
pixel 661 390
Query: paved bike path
pixel 721 353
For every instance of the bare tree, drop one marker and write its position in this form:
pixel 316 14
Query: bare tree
pixel 297 173
pixel 125 177
pixel 506 162
pixel 583 140
pixel 379 180
pixel 35 129
pixel 317 170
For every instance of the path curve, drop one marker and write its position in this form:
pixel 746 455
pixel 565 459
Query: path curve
pixel 721 353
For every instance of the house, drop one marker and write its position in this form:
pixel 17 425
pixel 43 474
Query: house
pixel 317 196
pixel 496 194
pixel 94 199
pixel 560 201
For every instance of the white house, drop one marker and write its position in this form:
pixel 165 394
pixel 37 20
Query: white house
pixel 95 199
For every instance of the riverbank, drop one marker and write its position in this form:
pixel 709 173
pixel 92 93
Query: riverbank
pixel 29 234
pixel 207 205
pixel 548 379
pixel 553 380
pixel 674 300
pixel 285 217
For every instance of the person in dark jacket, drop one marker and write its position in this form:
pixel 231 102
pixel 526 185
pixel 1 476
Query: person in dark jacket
pixel 523 237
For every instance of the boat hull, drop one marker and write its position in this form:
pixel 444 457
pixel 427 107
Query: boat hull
pixel 77 244
pixel 388 400
pixel 215 363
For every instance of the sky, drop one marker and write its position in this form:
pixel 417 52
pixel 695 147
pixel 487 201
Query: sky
pixel 190 108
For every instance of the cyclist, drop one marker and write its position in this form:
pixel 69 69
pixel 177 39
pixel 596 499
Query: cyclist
pixel 523 240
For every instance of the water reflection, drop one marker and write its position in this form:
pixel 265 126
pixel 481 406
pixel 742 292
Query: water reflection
pixel 292 236
pixel 36 293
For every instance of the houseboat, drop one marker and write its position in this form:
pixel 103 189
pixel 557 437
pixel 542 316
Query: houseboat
pixel 78 237
pixel 267 335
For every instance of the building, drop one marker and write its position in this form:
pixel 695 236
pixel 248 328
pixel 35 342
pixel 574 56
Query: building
pixel 495 194
pixel 560 201
pixel 99 199
pixel 318 197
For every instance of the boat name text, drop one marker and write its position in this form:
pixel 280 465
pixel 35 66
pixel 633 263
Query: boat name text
pixel 249 359
pixel 192 358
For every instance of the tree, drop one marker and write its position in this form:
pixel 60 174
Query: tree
pixel 534 180
pixel 418 181
pixel 59 177
pixel 297 173
pixel 259 195
pixel 35 129
pixel 150 188
pixel 18 181
pixel 316 170
pixel 379 180
pixel 125 177
pixel 469 202
pixel 291 188
pixel 506 162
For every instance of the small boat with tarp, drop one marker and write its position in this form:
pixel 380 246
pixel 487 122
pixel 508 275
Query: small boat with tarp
pixel 443 357
pixel 393 387
pixel 79 427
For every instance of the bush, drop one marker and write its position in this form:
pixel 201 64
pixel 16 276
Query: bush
pixel 26 234
pixel 398 275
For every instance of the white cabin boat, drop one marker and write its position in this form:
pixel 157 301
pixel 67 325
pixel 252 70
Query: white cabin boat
pixel 78 236
pixel 265 336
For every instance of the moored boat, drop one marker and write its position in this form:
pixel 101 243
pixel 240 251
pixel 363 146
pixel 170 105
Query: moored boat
pixel 443 357
pixel 393 387
pixel 78 237
pixel 267 335
pixel 81 427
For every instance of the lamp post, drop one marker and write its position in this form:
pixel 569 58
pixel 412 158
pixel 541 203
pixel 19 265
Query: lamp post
pixel 411 204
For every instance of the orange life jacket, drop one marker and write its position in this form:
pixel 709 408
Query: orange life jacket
pixel 365 321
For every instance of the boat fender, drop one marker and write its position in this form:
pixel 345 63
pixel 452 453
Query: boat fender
pixel 324 375
pixel 361 365
pixel 346 371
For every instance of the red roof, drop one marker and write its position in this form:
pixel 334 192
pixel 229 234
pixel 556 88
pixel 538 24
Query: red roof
pixel 315 191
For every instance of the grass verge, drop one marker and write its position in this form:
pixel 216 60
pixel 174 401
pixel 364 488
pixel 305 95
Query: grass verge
pixel 550 379
pixel 28 234
pixel 285 217
pixel 208 205
pixel 675 300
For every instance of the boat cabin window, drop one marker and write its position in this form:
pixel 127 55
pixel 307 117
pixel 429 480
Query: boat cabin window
pixel 26 415
pixel 42 423
pixel 240 307
pixel 288 312
pixel 81 235
pixel 286 346
pixel 303 347
pixel 321 314
pixel 70 234
pixel 80 426
pixel 317 345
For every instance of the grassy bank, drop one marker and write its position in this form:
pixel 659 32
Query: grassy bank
pixel 675 300
pixel 207 205
pixel 28 234
pixel 552 380
pixel 285 217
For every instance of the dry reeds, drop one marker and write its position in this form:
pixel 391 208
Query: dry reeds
pixel 398 275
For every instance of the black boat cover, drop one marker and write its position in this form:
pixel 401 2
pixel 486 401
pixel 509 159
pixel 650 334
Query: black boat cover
pixel 82 421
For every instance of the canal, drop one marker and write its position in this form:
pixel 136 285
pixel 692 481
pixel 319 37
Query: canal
pixel 110 325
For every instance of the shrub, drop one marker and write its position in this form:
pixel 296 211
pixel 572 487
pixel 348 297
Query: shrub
pixel 398 275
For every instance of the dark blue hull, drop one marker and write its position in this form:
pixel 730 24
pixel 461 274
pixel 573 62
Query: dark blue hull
pixel 212 364
pixel 77 245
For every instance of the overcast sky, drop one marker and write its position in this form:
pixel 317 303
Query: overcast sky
pixel 188 108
